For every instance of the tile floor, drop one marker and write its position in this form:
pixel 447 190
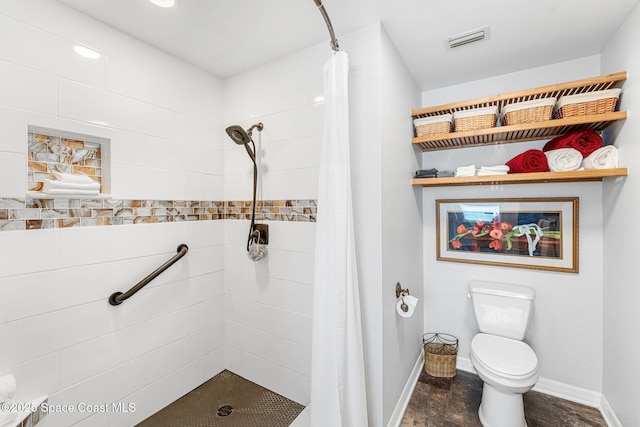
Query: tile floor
pixel 454 402
pixel 227 400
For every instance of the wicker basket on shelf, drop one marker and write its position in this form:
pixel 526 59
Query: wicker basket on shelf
pixel 434 125
pixel 587 104
pixel 474 119
pixel 440 353
pixel 537 110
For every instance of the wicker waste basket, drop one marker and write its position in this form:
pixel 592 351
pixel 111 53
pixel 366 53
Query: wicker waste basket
pixel 440 352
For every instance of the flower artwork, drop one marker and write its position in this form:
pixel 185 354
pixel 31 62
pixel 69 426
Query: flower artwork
pixel 532 239
pixel 536 233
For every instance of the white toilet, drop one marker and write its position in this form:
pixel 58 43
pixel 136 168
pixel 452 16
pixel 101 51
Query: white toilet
pixel 506 364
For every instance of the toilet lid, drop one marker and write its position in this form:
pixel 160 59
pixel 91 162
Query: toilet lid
pixel 505 356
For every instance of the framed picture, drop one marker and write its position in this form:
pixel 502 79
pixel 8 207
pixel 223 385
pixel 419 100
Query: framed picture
pixel 536 233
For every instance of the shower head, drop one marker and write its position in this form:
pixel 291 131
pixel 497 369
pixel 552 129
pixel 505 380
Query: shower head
pixel 238 135
pixel 242 137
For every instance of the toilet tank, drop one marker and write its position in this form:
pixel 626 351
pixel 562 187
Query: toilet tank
pixel 502 309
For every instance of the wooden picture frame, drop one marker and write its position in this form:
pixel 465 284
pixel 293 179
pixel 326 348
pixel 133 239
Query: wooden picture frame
pixel 533 233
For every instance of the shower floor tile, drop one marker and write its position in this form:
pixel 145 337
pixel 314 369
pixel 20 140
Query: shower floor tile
pixel 227 400
pixel 454 402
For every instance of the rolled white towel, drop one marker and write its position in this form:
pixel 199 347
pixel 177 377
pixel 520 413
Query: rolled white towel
pixel 72 192
pixel 603 158
pixel 8 387
pixel 564 159
pixel 69 177
pixel 50 184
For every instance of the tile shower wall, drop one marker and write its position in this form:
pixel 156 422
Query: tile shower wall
pixel 162 117
pixel 269 303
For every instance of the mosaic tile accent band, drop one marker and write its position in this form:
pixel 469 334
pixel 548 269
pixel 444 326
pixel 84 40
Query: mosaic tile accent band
pixel 48 213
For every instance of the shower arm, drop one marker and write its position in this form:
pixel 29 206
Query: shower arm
pixel 334 41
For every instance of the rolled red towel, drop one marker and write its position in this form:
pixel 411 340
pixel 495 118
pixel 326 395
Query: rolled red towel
pixel 586 141
pixel 529 161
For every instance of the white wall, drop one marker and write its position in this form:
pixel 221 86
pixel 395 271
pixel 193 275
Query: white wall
pixel 621 293
pixel 401 225
pixel 567 326
pixel 60 336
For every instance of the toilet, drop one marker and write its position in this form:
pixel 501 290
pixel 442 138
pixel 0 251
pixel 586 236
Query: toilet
pixel 506 364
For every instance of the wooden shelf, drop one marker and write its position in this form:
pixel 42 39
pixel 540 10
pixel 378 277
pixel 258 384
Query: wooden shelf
pixel 522 132
pixel 524 178
pixel 517 133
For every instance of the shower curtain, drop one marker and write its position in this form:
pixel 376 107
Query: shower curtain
pixel 338 392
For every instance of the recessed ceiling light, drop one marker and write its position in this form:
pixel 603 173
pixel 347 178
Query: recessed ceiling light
pixel 86 52
pixel 164 3
pixel 468 37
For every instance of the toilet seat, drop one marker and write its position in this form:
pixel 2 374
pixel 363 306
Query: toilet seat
pixel 504 357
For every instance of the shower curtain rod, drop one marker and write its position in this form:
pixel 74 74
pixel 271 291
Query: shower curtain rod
pixel 334 41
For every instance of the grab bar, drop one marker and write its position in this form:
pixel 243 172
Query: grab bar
pixel 117 298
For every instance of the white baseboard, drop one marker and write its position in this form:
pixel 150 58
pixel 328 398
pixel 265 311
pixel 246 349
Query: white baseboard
pixel 563 391
pixel 608 414
pixel 568 392
pixel 405 397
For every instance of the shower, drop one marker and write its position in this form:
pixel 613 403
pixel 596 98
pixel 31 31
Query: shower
pixel 241 137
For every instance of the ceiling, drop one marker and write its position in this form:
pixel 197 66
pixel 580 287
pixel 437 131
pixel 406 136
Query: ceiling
pixel 226 37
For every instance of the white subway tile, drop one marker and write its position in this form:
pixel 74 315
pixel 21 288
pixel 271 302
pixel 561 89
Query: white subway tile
pixel 213 187
pixel 197 316
pixel 300 153
pixel 103 389
pixel 292 236
pixel 36 378
pixel 38 336
pixel 13 131
pixel 117 243
pixel 28 89
pixel 292 326
pixel 206 131
pixel 14 173
pixel 129 182
pixel 24 252
pixel 177 354
pixel 282 352
pixel 285 382
pixel 159 394
pixel 280 294
pixel 198 234
pixel 43 50
pixel 87 104
pixel 92 357
pixel 302 183
pixel 165 154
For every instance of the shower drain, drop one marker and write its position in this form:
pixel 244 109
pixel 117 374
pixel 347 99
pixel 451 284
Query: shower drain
pixel 225 410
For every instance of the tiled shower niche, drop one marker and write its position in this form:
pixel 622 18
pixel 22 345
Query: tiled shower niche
pixel 51 151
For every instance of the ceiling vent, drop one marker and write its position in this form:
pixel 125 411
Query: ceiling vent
pixel 468 37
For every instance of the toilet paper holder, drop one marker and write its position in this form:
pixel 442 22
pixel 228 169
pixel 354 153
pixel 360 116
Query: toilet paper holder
pixel 400 293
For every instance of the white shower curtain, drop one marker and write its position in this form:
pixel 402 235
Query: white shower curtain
pixel 338 392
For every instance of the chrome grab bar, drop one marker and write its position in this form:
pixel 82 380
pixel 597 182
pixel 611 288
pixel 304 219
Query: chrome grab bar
pixel 118 298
